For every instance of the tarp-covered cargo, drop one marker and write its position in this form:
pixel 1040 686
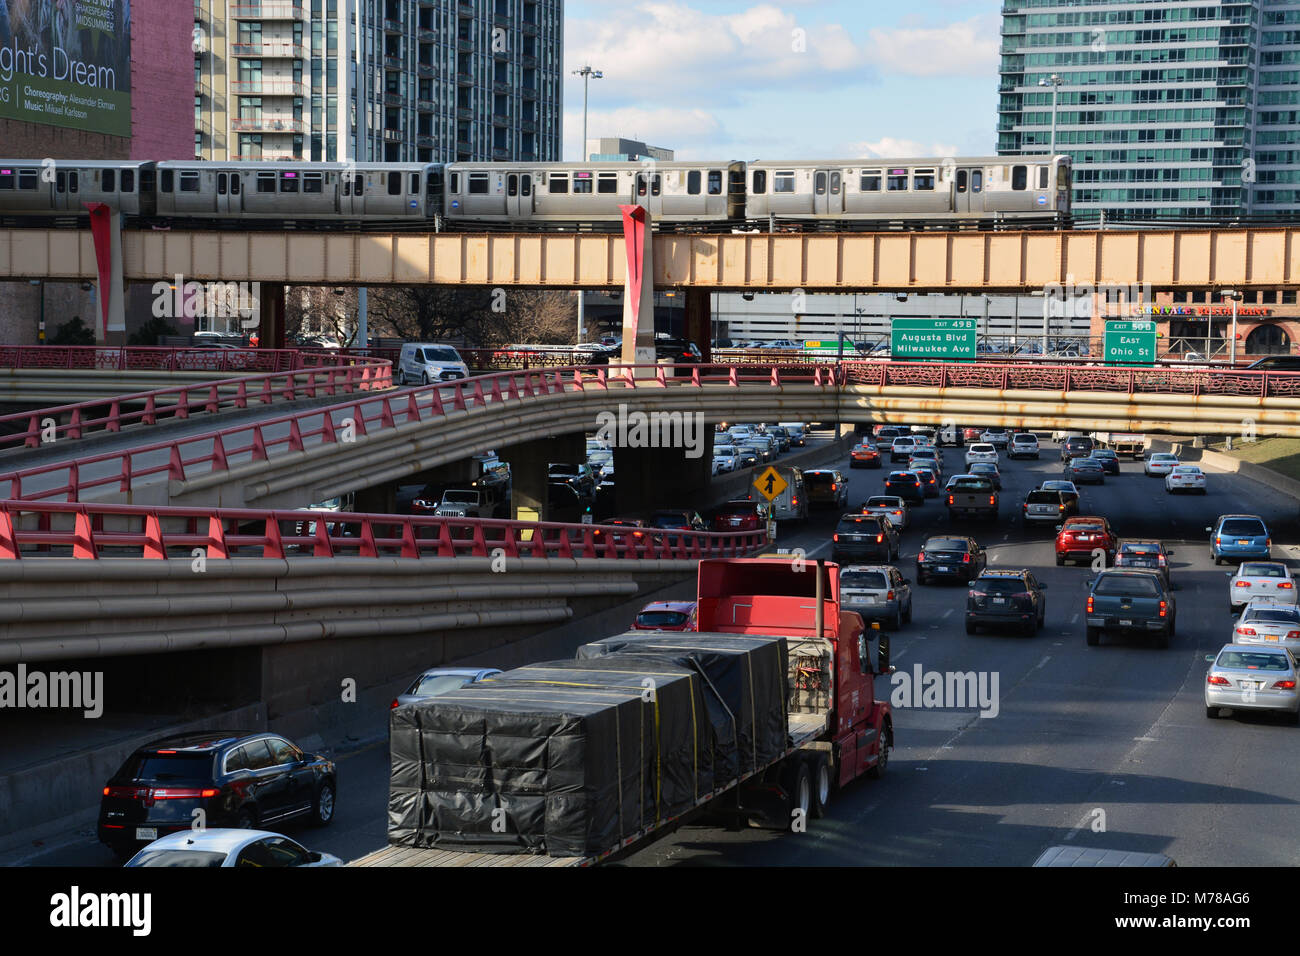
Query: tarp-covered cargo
pixel 574 758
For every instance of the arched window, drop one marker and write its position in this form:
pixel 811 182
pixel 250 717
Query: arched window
pixel 1268 340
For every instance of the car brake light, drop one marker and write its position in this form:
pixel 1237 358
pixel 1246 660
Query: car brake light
pixel 1293 635
pixel 832 486
pixel 393 705
pixel 1246 631
pixel 899 513
pixel 920 556
pixel 1217 680
pixel 1089 603
pixel 1284 684
pixel 889 596
pixel 1218 540
pixel 879 538
pixel 1268 542
pixel 1284 585
pixel 1164 608
pixel 965 559
pixel 950 499
pixel 1243 584
pixel 835 537
pixel 992 500
pixel 1162 560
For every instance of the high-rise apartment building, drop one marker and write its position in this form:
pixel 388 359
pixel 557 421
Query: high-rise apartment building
pixel 616 149
pixel 1169 108
pixel 378 80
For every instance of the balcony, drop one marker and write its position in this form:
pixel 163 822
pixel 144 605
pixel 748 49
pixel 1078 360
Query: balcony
pixel 392 135
pixel 528 93
pixel 463 146
pixel 268 87
pixel 424 141
pixel 425 106
pixel 426 35
pixel 528 126
pixel 393 26
pixel 530 62
pixel 268 11
pixel 499 153
pixel 498 120
pixel 426 69
pixel 393 99
pixel 464 79
pixel 528 29
pixel 393 63
pixel 464 113
pixel 465 10
pixel 503 88
pixel 465 46
pixel 266 124
pixel 270 49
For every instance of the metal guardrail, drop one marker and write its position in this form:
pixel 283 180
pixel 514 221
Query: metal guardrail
pixel 250 442
pixel 152 358
pixel 78 419
pixel 160 533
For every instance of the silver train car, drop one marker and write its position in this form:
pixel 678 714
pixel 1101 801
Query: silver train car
pixel 46 187
pixel 966 188
pixel 679 192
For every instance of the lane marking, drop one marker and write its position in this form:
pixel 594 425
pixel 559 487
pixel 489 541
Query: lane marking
pixel 1075 619
pixel 947 612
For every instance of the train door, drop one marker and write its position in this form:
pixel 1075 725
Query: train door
pixel 519 195
pixel 229 192
pixel 650 192
pixel 352 192
pixel 968 189
pixel 828 192
pixel 67 188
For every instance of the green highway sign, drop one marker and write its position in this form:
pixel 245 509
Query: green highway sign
pixel 933 338
pixel 1130 343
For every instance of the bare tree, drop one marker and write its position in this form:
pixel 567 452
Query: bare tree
pixel 532 317
pixel 321 310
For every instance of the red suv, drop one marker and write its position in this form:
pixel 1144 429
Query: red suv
pixel 1079 538
pixel 741 515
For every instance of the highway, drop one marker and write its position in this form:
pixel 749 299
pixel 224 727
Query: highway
pixel 1101 746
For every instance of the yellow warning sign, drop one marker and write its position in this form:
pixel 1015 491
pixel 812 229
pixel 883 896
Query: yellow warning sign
pixel 770 483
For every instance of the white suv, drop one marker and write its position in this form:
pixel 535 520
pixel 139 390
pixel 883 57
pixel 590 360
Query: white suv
pixel 981 451
pixel 427 362
pixel 1024 444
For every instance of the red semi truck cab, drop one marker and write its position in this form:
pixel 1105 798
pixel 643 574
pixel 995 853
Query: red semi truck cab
pixel 830 661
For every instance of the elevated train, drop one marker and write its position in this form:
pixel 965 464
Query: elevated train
pixel 854 193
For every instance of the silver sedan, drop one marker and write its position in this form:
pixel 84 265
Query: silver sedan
pixel 1252 677
pixel 1266 623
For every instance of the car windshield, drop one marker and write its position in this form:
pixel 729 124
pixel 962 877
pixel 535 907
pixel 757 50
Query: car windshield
pixel 433 685
pixel 946 544
pixel 1134 547
pixel 189 768
pixel 441 355
pixel 461 497
pixel 1256 569
pixel 1087 527
pixel 1086 463
pixel 194 858
pixel 1253 661
pixel 1024 439
pixel 1274 615
pixel 972 484
pixel 982 449
pixel 984 468
pixel 862 579
pixel 906 477
pixel 1103 453
pixel 1243 526
pixel 661 619
pixel 904 440
pixel 880 501
pixel 1163 458
pixel 999 586
pixel 1130 584
pixel 859 524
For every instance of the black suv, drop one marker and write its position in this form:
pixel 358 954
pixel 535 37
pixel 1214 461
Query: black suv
pixel 238 780
pixel 950 556
pixel 863 538
pixel 1076 446
pixel 1006 598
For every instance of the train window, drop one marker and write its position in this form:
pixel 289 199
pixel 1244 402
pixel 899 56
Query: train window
pixel 1062 177
pixel 189 182
pixel 395 184
pixel 478 184
pixel 512 185
pixel 347 186
pixel 896 181
pixel 455 184
pixel 870 182
pixel 835 183
pixel 234 184
pixel 61 182
pixel 819 183
pixel 607 183
pixel 693 182
pixel 166 181
pixel 128 180
pixel 266 182
pixel 313 182
pixel 288 182
pixel 783 182
pixel 415 184
pixel 655 185
pixel 28 179
pixel 961 180
pixel 640 184
pixel 108 181
pixel 923 179
pixel 977 180
pixel 526 185
pixel 221 183
pixel 715 182
pixel 431 184
pixel 582 183
pixel 760 182
pixel 7 179
pixel 558 184
pixel 1019 177
pixel 73 180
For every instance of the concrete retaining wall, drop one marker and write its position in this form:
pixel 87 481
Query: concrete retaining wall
pixel 1228 463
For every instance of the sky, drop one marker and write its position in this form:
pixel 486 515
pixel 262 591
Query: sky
pixel 797 79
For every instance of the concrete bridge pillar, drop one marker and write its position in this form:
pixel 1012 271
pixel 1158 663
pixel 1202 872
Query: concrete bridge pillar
pixel 270 305
pixel 699 324
pixel 529 462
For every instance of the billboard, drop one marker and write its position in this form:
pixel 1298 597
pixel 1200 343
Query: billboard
pixel 67 63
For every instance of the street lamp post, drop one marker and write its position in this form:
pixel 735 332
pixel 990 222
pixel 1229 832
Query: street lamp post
pixel 1054 81
pixel 1235 296
pixel 587 74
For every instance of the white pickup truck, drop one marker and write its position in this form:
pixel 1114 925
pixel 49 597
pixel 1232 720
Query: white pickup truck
pixel 1122 443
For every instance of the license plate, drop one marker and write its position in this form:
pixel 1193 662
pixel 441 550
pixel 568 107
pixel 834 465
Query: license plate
pixel 943 568
pixel 999 600
pixel 1125 623
pixel 1243 542
pixel 1252 685
pixel 1270 637
pixel 146 833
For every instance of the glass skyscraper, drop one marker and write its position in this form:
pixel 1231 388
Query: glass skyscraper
pixel 1169 108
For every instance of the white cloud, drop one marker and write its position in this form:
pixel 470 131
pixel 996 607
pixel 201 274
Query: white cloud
pixel 890 148
pixel 968 48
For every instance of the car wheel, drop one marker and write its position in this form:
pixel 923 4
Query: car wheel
pixel 424 378
pixel 322 808
pixel 1217 560
pixel 1060 561
pixel 401 377
pixel 1212 712
pixel 1094 636
pixel 822 786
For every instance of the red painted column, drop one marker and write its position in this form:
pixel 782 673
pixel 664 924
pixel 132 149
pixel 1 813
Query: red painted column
pixel 106 231
pixel 638 289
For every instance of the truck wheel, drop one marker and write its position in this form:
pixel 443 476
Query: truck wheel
pixel 822 785
pixel 801 790
pixel 1094 636
pixel 882 762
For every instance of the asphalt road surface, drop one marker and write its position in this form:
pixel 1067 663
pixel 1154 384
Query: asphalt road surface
pixel 1098 746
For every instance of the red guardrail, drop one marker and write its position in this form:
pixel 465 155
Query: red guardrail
pixel 170 532
pixel 75 420
pixel 250 442
pixel 1075 378
pixel 143 358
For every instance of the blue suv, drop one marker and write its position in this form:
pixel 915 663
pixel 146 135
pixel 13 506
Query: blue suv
pixel 1236 537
